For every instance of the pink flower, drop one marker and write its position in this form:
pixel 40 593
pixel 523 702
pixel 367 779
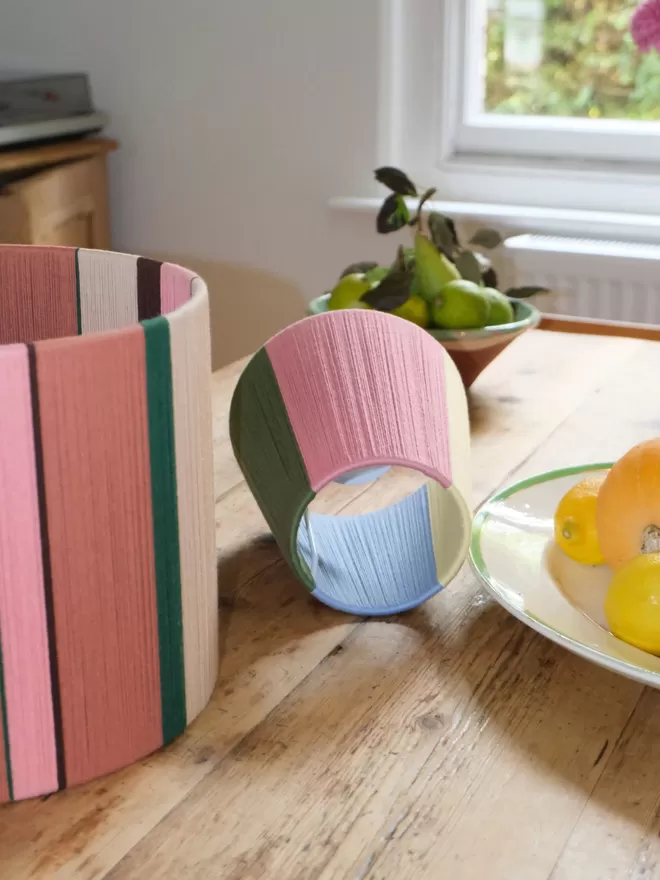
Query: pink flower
pixel 645 26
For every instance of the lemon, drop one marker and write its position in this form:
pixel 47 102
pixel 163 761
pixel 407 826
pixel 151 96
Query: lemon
pixel 414 309
pixel 575 522
pixel 347 292
pixel 632 603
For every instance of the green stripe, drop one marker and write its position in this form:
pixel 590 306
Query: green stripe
pixel 166 525
pixel 78 306
pixel 5 728
pixel 267 451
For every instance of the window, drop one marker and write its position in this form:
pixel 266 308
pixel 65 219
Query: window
pixel 558 79
pixel 567 58
pixel 543 108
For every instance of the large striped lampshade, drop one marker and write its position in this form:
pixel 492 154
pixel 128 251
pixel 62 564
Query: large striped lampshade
pixel 328 397
pixel 108 611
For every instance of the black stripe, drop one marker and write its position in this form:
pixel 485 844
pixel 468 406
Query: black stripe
pixel 48 577
pixel 148 285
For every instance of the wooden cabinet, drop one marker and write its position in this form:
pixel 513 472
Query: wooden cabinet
pixel 56 194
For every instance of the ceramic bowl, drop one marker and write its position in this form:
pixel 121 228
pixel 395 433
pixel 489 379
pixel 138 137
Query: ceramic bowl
pixel 471 350
pixel 515 556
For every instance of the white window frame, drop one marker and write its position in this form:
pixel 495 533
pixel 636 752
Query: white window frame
pixel 428 127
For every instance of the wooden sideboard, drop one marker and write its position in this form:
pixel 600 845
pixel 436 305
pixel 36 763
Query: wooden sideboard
pixel 56 194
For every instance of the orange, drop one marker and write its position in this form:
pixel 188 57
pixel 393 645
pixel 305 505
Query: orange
pixel 628 507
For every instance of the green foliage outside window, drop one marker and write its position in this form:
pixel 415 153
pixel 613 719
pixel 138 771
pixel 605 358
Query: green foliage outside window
pixel 590 68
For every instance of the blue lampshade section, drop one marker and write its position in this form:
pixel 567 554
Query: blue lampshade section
pixel 362 475
pixel 375 563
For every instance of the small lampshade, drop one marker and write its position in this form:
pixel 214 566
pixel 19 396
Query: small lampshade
pixel 338 393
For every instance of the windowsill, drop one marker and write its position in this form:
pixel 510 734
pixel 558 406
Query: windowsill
pixel 606 225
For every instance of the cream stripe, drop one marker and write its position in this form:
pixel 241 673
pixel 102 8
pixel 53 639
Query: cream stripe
pixel 459 430
pixel 449 510
pixel 193 433
pixel 108 290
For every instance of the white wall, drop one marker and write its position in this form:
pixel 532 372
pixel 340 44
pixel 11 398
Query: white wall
pixel 238 119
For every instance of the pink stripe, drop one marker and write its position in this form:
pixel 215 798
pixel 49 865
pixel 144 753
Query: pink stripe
pixel 363 388
pixel 37 293
pixel 94 420
pixel 22 610
pixel 175 287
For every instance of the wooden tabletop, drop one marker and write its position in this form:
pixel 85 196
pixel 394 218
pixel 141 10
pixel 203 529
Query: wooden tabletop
pixel 448 742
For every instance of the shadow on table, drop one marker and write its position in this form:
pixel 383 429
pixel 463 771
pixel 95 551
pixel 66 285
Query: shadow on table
pixel 267 611
pixel 569 718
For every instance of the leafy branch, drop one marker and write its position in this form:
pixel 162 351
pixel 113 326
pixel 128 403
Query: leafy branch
pixel 394 215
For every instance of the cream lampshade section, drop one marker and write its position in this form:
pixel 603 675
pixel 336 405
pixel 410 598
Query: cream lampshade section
pixel 108 594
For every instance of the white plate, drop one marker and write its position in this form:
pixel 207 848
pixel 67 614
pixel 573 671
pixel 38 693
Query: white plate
pixel 513 552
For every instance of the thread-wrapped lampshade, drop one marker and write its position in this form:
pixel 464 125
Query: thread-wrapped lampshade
pixel 334 394
pixel 108 596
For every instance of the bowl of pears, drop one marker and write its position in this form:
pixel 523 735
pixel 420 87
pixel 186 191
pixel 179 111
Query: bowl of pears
pixel 449 290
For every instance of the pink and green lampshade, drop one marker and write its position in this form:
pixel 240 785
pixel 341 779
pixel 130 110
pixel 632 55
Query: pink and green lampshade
pixel 343 393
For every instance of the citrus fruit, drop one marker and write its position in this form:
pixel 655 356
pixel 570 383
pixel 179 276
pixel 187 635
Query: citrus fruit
pixel 432 269
pixel 461 305
pixel 414 309
pixel 347 292
pixel 632 603
pixel 575 522
pixel 628 510
pixel 500 310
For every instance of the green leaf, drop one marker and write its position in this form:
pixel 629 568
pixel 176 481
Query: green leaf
pixel 443 233
pixel 469 267
pixel 392 291
pixel 393 215
pixel 525 292
pixel 487 238
pixel 489 278
pixel 361 268
pixel 395 180
pixel 416 220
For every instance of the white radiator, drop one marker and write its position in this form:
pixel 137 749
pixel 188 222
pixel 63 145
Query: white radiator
pixel 607 280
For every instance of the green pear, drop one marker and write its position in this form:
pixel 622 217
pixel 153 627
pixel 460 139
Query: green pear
pixel 377 274
pixel 500 308
pixel 432 269
pixel 348 292
pixel 461 305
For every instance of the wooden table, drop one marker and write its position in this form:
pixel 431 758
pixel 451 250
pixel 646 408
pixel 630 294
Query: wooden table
pixel 449 742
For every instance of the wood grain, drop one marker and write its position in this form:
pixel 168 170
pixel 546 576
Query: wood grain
pixel 52 154
pixel 449 739
pixel 558 324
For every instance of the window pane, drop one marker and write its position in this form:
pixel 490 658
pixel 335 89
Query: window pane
pixel 568 58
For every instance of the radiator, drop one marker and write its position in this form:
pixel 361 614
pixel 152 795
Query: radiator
pixel 606 280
